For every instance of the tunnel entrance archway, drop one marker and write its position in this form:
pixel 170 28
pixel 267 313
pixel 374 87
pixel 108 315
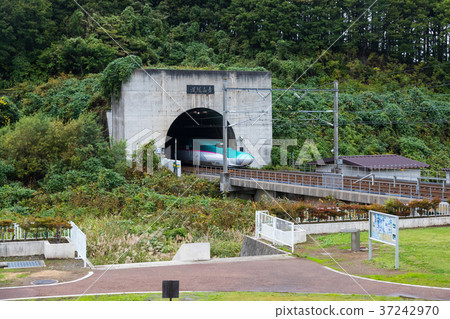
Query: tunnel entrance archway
pixel 184 130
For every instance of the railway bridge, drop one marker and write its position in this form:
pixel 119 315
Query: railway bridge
pixel 256 183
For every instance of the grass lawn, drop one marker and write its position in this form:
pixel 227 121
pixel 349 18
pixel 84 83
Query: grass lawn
pixel 424 256
pixel 8 275
pixel 231 296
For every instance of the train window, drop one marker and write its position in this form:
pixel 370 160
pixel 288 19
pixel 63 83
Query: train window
pixel 241 148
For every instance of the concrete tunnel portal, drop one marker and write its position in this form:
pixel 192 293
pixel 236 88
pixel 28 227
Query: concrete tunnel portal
pixel 157 104
pixel 196 123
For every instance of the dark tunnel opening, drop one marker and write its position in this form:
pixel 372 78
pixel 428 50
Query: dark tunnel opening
pixel 184 130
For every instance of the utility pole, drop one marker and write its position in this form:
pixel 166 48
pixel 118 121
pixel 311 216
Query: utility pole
pixel 175 165
pixel 225 176
pixel 225 128
pixel 176 147
pixel 336 128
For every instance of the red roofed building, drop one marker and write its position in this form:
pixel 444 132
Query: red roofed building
pixel 382 166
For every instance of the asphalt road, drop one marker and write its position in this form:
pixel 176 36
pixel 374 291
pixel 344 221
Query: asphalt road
pixel 264 274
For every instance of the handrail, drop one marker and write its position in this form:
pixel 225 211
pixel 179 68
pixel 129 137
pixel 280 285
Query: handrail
pixel 371 174
pixel 379 186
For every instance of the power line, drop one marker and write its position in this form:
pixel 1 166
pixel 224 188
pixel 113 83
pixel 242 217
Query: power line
pixel 369 123
pixel 405 110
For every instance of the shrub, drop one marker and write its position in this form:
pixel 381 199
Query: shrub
pixel 176 232
pixel 76 55
pixel 27 224
pixel 13 194
pixel 116 72
pixel 38 145
pixel 396 207
pixel 9 113
pixel 5 171
pixel 108 179
pixel 423 206
pixel 59 224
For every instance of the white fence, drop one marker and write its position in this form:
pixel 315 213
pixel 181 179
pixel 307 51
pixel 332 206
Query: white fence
pixel 274 229
pixel 78 238
pixel 19 234
pixel 443 208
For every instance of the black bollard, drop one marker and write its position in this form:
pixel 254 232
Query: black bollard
pixel 171 289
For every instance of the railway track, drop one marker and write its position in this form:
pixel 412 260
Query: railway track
pixel 378 186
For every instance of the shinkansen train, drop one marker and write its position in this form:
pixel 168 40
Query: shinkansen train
pixel 211 153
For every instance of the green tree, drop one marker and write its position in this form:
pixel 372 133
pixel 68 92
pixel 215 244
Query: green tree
pixel 9 113
pixel 37 144
pixel 77 56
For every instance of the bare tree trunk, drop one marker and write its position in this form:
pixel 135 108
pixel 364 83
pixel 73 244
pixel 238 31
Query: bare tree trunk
pixel 58 234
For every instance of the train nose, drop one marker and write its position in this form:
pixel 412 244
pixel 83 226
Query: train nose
pixel 244 159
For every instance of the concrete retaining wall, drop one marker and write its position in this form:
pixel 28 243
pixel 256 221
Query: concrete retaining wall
pixel 193 252
pixel 22 248
pixel 253 247
pixel 40 247
pixel 59 251
pixel 337 227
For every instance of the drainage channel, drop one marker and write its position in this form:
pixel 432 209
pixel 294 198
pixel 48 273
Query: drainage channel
pixel 26 264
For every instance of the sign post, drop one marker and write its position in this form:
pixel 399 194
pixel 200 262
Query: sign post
pixel 384 228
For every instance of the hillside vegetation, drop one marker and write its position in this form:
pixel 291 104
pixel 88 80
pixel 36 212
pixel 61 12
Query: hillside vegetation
pixel 59 67
pixel 392 63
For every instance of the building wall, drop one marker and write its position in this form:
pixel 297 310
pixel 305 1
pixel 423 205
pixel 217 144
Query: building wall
pixel 152 99
pixel 353 171
pixel 406 174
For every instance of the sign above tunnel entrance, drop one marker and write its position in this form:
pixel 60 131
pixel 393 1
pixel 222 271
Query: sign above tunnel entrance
pixel 200 89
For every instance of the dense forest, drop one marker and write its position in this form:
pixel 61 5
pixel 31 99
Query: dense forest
pixel 60 60
pixel 391 59
pixel 42 38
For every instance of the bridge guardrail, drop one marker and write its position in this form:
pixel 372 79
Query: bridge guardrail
pixel 323 180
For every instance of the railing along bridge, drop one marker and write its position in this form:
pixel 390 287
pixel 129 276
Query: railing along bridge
pixel 377 186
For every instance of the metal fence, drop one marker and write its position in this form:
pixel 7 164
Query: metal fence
pixel 358 171
pixel 353 215
pixel 78 238
pixel 274 229
pixel 19 234
pixel 417 190
pixel 444 208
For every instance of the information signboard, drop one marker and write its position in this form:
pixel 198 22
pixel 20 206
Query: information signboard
pixel 200 89
pixel 384 228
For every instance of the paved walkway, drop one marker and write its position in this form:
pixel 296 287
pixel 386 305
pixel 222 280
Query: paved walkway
pixel 266 274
